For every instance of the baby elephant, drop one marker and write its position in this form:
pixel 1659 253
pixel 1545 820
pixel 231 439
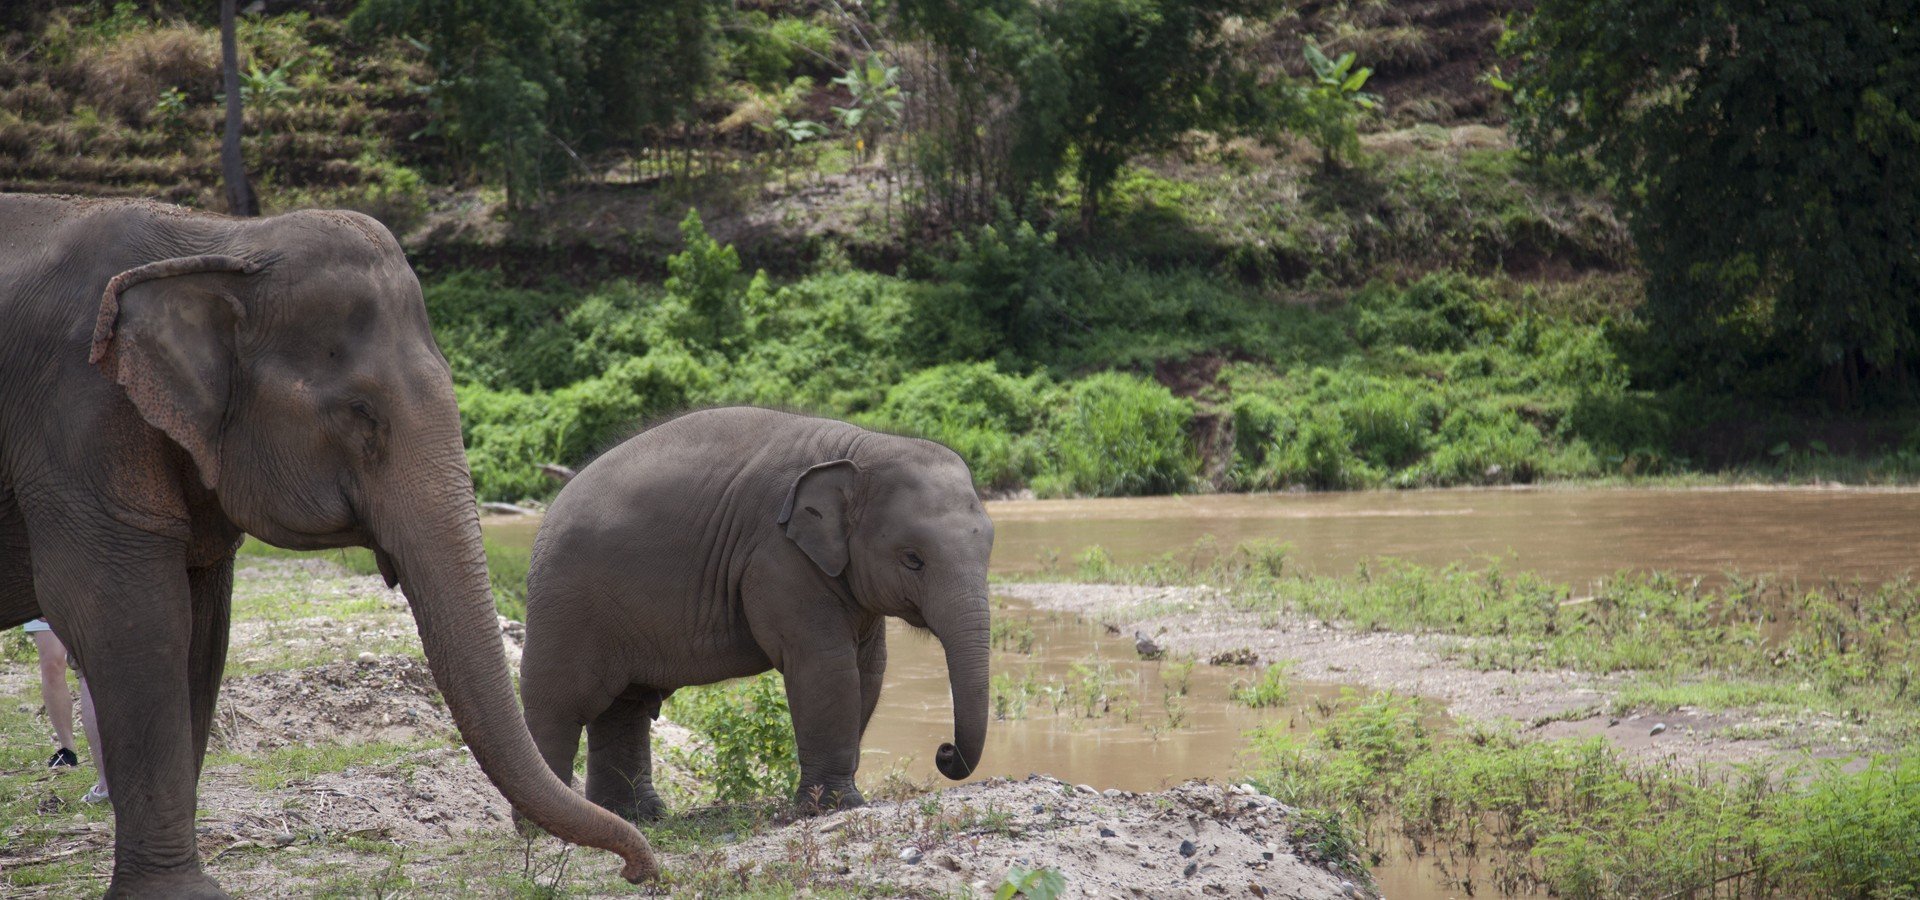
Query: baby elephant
pixel 731 541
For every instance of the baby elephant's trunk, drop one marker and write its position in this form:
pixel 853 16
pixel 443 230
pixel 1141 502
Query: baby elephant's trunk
pixel 964 629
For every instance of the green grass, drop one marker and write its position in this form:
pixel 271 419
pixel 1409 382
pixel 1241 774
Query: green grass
pixel 506 572
pixel 1579 819
pixel 40 808
pixel 280 767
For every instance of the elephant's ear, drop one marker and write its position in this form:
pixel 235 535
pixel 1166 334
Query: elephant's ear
pixel 816 513
pixel 165 333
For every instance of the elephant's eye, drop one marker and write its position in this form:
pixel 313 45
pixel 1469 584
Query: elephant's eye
pixel 912 561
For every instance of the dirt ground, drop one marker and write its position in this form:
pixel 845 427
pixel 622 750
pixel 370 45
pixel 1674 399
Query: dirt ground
pixel 336 773
pixel 1198 623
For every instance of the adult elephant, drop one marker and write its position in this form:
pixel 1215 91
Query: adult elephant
pixel 731 541
pixel 170 381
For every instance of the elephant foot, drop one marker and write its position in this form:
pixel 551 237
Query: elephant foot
pixel 640 809
pixel 184 885
pixel 635 802
pixel 815 799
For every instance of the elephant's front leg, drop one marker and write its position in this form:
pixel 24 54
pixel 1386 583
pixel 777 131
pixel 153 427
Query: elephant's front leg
pixel 620 756
pixel 212 592
pixel 873 670
pixel 824 693
pixel 127 610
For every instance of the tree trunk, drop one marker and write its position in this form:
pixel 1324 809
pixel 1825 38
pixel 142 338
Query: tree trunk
pixel 233 167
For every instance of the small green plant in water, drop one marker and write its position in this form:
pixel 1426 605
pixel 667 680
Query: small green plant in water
pixel 1095 689
pixel 1272 687
pixel 1012 635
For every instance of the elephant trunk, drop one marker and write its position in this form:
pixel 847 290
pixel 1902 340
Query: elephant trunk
pixel 964 630
pixel 429 536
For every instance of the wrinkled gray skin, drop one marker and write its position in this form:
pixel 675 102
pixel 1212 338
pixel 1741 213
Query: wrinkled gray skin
pixel 732 541
pixel 278 379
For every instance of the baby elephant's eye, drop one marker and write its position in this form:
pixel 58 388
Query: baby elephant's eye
pixel 913 561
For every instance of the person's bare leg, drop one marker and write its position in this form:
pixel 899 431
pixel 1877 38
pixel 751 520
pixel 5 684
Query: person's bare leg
pixel 92 724
pixel 53 686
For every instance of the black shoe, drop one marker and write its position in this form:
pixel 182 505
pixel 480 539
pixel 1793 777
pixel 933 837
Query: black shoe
pixel 63 758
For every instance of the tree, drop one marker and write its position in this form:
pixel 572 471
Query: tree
pixel 648 63
pixel 1097 81
pixel 1766 156
pixel 233 166
pixel 507 75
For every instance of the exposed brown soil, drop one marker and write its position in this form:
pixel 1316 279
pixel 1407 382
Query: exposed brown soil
pixel 1197 622
pixel 386 699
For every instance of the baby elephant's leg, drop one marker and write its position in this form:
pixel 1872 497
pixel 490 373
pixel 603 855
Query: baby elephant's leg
pixel 620 756
pixel 823 692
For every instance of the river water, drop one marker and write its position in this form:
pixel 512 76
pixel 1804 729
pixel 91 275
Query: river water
pixel 1097 714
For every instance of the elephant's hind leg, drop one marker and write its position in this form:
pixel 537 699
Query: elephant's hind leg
pixel 620 755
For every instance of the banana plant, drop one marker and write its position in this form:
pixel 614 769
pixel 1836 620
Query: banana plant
pixel 874 100
pixel 1330 101
pixel 1338 77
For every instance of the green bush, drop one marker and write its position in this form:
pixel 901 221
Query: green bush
pixel 748 732
pixel 1000 296
pixel 1329 429
pixel 510 433
pixel 1115 434
pixel 1485 444
pixel 829 343
pixel 984 415
pixel 1438 312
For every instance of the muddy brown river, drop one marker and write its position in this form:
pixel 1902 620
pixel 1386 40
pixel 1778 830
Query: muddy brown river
pixel 1095 713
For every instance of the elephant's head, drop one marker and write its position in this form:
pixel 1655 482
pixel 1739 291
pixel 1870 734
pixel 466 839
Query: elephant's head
pixel 295 366
pixel 902 524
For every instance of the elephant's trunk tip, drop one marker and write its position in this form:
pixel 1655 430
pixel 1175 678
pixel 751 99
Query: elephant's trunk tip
pixel 640 865
pixel 951 763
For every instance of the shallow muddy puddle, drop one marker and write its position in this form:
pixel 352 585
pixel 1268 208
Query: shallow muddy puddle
pixel 1096 713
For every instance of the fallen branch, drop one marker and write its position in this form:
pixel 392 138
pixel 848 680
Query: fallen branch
pixel 19 862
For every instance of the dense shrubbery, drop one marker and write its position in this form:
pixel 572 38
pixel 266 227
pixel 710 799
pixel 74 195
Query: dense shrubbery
pixel 549 377
pixel 1016 353
pixel 985 415
pixel 1449 383
pixel 1114 434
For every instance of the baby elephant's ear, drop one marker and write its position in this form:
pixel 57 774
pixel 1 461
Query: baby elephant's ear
pixel 816 513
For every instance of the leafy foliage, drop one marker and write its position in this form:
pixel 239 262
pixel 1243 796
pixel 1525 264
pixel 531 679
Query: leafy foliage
pixel 748 732
pixel 502 74
pixel 1763 154
pixel 1116 434
pixel 986 416
pixel 1327 105
pixel 1037 884
pixel 1097 81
